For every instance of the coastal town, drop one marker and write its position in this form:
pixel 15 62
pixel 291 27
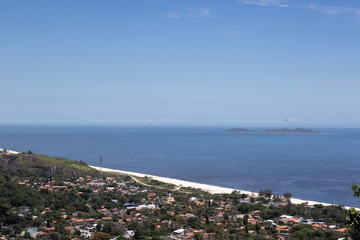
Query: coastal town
pixel 113 206
pixel 180 120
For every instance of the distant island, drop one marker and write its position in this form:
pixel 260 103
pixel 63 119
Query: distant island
pixel 281 131
pixel 239 130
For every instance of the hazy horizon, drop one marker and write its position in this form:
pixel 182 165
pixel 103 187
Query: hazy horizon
pixel 191 125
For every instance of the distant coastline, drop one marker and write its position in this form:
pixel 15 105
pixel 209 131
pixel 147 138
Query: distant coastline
pixel 276 131
pixel 281 162
pixel 213 189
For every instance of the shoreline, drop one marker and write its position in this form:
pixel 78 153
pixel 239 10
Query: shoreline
pixel 206 187
pixel 9 151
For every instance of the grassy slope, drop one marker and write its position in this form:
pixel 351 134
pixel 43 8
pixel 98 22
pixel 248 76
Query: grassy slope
pixel 36 166
pixel 44 166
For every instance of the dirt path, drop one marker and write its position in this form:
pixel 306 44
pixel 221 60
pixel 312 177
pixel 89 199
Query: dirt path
pixel 177 188
pixel 145 184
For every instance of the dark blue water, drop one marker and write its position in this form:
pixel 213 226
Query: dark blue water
pixel 312 167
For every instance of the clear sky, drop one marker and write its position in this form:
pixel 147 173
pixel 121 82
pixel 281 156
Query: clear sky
pixel 180 62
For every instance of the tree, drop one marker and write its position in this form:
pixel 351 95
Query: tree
pixel 265 195
pixel 55 236
pixel 257 228
pixel 98 227
pixel 246 217
pixel 287 195
pixel 194 222
pixel 27 236
pixel 107 228
pixel 354 216
pixel 198 236
pixel 207 217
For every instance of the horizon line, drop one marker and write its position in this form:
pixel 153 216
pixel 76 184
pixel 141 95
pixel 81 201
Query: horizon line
pixel 172 125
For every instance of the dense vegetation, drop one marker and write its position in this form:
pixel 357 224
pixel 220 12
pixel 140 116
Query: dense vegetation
pixel 354 216
pixel 84 196
pixel 35 166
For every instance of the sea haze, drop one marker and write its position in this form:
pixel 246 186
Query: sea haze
pixel 319 167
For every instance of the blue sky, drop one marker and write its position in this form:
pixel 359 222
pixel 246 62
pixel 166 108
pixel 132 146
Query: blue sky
pixel 180 62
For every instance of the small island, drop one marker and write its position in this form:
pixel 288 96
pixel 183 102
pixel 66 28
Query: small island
pixel 285 130
pixel 239 130
pixel 276 131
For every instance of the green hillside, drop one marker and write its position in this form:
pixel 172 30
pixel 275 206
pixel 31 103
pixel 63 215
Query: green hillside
pixel 34 165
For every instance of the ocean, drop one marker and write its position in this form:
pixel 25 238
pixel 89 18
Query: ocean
pixel 317 167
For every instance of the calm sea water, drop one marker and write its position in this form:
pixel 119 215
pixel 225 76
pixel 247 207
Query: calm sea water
pixel 312 167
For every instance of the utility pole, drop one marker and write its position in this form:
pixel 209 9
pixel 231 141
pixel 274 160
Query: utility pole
pixel 100 178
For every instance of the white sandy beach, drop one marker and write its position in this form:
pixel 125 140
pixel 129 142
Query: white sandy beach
pixel 9 151
pixel 205 187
